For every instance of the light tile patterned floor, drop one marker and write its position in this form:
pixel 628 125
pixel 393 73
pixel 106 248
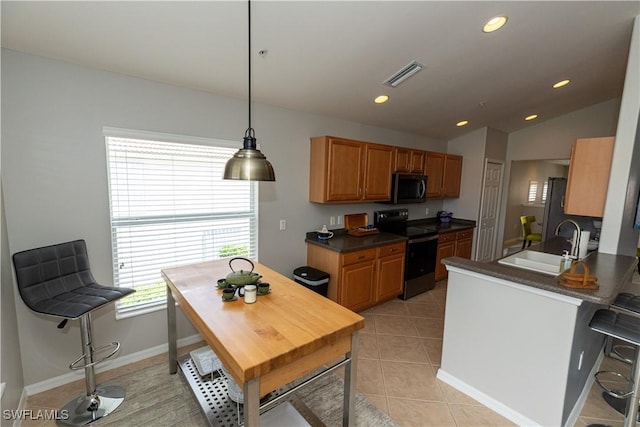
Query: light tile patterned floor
pixel 398 359
pixel 399 355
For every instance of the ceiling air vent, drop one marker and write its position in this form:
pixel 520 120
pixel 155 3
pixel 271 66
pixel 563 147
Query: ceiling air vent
pixel 402 75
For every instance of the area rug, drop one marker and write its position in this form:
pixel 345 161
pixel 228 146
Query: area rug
pixel 156 398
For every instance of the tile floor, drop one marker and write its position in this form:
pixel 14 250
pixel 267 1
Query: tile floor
pixel 399 355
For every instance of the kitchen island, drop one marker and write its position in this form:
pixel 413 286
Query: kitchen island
pixel 519 343
pixel 265 345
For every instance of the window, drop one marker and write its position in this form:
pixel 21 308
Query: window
pixel 533 191
pixel 170 206
pixel 545 187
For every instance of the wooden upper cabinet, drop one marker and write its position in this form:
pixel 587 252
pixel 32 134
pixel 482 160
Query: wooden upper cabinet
pixel 452 175
pixel 435 174
pixel 377 172
pixel 589 170
pixel 402 162
pixel 417 161
pixel 409 161
pixel 344 170
pixel 444 175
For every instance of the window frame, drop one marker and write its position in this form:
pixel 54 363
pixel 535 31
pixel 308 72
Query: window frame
pixel 111 132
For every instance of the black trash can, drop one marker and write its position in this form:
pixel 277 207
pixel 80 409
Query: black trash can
pixel 311 278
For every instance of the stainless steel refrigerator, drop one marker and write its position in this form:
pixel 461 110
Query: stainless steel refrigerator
pixel 554 213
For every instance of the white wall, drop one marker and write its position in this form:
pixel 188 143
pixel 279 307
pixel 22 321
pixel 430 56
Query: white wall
pixel 552 139
pixel 55 180
pixel 618 235
pixel 471 147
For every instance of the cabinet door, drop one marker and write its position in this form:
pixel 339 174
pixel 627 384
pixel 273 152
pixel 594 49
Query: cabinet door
pixel 344 174
pixel 434 171
pixel 589 170
pixel 378 169
pixel 390 277
pixel 445 250
pixel 402 160
pixel 357 283
pixel 452 175
pixel 417 161
pixel 463 248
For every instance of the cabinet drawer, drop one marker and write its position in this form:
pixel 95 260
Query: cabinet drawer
pixel 446 237
pixel 358 256
pixel 464 234
pixel 397 248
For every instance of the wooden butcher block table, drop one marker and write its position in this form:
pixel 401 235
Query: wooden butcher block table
pixel 265 345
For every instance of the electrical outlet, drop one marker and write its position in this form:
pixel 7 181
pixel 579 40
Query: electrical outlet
pixel 426 211
pixel 339 219
pixel 283 224
pixel 332 220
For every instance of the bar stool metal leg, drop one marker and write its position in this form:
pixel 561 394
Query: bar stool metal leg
pixel 632 402
pixel 98 402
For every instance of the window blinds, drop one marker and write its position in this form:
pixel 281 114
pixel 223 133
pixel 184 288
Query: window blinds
pixel 169 207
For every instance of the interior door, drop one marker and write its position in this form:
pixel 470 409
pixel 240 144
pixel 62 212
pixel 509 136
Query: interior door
pixel 489 208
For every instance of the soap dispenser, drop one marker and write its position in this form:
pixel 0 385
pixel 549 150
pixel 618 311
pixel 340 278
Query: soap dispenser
pixel 565 262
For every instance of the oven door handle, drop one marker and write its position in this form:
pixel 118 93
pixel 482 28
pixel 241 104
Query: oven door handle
pixel 423 239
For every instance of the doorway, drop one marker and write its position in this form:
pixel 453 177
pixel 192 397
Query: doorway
pixel 520 201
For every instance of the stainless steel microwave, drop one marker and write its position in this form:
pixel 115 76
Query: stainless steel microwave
pixel 408 188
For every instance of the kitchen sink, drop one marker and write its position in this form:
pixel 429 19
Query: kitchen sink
pixel 535 261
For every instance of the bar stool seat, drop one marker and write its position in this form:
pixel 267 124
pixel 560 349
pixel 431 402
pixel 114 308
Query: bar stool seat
pixel 56 281
pixel 626 328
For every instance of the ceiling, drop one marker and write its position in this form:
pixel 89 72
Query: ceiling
pixel 331 57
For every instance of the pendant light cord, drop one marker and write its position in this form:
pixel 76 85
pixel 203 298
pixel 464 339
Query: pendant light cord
pixel 249 133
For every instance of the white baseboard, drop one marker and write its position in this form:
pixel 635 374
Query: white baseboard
pixel 45 385
pixel 487 401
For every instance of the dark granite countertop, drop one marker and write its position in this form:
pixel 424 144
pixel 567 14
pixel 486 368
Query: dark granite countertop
pixel 456 224
pixel 343 242
pixel 614 272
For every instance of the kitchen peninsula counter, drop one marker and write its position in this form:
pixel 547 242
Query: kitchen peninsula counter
pixel 612 271
pixel 521 344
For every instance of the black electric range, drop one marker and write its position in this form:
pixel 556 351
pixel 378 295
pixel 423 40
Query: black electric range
pixel 422 247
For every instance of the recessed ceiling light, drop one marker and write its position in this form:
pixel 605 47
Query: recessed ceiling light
pixel 531 117
pixel 462 123
pixel 494 24
pixel 381 99
pixel 561 83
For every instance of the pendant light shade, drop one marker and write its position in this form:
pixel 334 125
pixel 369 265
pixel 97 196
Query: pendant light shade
pixel 249 163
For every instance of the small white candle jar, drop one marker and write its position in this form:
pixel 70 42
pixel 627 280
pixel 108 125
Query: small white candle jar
pixel 250 294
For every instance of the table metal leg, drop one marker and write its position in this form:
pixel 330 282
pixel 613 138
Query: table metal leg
pixel 350 380
pixel 251 391
pixel 172 332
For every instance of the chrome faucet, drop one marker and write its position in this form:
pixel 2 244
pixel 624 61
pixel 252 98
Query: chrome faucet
pixel 575 244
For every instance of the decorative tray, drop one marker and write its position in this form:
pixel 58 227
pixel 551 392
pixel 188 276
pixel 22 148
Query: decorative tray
pixel 357 225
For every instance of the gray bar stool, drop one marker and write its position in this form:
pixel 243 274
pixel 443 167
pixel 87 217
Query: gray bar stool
pixel 630 304
pixel 626 328
pixel 55 280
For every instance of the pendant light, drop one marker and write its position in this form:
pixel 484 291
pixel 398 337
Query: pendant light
pixel 249 163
